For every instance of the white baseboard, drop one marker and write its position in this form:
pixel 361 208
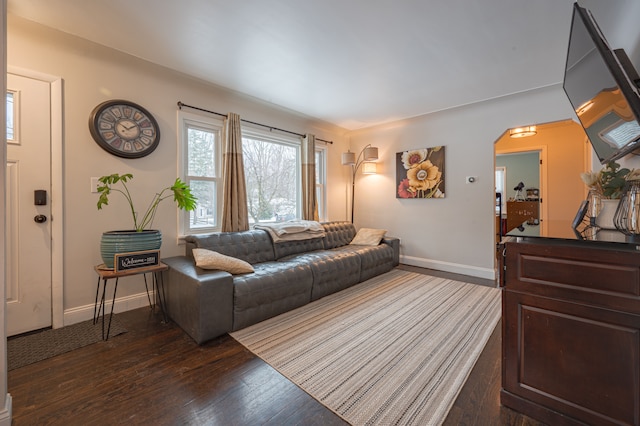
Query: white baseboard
pixel 456 268
pixel 123 304
pixel 5 413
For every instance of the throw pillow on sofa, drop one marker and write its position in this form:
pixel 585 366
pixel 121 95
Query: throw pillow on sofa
pixel 209 259
pixel 368 237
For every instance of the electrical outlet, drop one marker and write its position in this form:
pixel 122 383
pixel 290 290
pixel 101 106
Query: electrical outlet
pixel 94 185
pixel 471 179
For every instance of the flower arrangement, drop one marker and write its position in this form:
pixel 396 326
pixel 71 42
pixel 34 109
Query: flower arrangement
pixel 609 182
pixel 423 178
pixel 181 195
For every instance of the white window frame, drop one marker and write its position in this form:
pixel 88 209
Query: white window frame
pixel 210 124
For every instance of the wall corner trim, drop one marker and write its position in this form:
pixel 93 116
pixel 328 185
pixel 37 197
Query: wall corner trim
pixel 5 413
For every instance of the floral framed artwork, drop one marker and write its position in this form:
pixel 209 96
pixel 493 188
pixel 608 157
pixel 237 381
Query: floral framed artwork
pixel 420 173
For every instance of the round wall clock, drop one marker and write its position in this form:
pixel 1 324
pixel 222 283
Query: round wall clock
pixel 124 129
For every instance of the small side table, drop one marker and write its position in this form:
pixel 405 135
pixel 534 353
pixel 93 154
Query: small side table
pixel 106 274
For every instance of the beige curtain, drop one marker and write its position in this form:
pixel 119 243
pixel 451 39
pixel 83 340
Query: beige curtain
pixel 309 201
pixel 234 202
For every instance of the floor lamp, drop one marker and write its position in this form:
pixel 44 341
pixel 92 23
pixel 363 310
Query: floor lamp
pixel 365 158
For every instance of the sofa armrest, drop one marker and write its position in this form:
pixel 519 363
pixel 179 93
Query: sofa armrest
pixel 395 245
pixel 198 300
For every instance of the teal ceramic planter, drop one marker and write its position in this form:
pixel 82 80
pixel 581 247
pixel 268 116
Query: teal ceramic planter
pixel 115 242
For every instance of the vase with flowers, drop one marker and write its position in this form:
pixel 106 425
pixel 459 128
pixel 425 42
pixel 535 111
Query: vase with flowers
pixel 605 189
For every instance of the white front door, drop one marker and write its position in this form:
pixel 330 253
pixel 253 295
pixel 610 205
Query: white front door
pixel 28 262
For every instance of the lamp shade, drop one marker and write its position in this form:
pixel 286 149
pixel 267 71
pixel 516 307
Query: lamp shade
pixel 348 158
pixel 369 168
pixel 370 153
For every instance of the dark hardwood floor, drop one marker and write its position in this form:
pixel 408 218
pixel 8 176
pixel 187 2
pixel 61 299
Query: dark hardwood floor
pixel 155 374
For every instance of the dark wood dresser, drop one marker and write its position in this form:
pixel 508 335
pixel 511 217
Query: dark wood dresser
pixel 521 211
pixel 571 326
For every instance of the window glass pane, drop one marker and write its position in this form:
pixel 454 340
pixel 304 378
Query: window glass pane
pixel 271 172
pixel 500 178
pixel 501 175
pixel 320 182
pixel 10 112
pixel 202 161
pixel 320 200
pixel 204 215
pixel 320 167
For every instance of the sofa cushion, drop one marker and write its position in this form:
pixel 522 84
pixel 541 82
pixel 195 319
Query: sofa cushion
pixel 332 270
pixel 208 259
pixel 374 260
pixel 284 249
pixel 253 246
pixel 338 234
pixel 274 288
pixel 368 237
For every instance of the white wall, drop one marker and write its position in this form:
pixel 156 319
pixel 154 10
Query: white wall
pixel 455 233
pixel 92 74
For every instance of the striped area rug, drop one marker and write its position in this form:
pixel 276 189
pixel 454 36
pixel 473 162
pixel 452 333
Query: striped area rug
pixel 394 350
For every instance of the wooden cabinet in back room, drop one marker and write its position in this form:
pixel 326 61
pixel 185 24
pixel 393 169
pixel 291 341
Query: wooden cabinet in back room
pixel 522 211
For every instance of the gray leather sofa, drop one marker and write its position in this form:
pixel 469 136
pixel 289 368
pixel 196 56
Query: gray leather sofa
pixel 209 303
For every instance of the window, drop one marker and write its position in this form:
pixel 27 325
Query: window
pixel 272 167
pixel 12 117
pixel 501 178
pixel 202 171
pixel 272 173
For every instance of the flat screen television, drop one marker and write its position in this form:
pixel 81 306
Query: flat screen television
pixel 603 87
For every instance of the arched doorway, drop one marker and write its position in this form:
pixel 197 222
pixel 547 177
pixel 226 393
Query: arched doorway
pixel 564 153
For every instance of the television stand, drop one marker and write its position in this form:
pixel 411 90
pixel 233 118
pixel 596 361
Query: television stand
pixel 571 330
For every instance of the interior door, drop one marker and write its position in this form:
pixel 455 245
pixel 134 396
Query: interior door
pixel 28 216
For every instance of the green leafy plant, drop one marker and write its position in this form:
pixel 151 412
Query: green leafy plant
pixel 608 182
pixel 181 195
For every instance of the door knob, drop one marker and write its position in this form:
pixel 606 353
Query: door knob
pixel 40 218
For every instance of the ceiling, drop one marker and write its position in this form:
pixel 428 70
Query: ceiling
pixel 353 63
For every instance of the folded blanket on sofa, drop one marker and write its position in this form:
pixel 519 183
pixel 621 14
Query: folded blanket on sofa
pixel 293 230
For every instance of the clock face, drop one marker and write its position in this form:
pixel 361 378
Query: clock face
pixel 124 129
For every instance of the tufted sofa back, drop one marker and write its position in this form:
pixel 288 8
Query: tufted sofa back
pixel 294 247
pixel 252 246
pixel 256 246
pixel 338 234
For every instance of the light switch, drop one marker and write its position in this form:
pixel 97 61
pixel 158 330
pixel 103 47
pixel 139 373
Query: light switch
pixel 94 185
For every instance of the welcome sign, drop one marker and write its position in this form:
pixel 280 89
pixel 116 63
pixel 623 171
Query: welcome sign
pixel 136 260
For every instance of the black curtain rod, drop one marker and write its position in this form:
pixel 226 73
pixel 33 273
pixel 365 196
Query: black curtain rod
pixel 180 105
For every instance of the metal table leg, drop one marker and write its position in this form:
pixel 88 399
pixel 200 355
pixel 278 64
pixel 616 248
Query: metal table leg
pixel 102 306
pixel 95 306
pixel 158 282
pixel 151 305
pixel 113 303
